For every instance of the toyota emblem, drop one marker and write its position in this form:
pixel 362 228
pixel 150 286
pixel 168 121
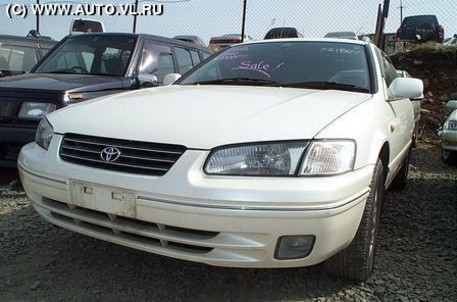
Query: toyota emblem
pixel 110 154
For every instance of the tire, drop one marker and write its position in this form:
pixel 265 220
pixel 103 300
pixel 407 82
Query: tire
pixel 449 157
pixel 400 180
pixel 357 260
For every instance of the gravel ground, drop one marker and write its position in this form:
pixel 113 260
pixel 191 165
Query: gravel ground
pixel 416 256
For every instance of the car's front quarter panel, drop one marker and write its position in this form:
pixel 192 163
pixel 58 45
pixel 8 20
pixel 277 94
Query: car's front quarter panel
pixel 373 124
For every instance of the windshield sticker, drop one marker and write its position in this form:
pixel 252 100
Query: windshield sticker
pixel 233 53
pixel 352 51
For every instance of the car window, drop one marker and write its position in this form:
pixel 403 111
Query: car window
pixel 17 58
pixel 195 57
pixel 157 60
pixel 419 20
pixel 286 63
pixel 388 70
pixel 184 59
pixel 68 60
pixel 107 55
pixel 113 61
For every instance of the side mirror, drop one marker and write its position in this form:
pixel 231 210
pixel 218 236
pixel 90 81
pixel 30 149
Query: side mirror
pixel 171 78
pixel 406 88
pixel 148 80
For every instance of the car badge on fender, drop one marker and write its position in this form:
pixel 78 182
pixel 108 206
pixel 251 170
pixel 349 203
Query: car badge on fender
pixel 110 154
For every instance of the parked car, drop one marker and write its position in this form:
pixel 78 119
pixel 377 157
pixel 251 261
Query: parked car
pixel 448 136
pixel 283 32
pixel 82 67
pixel 342 35
pixel 191 39
pixel 19 54
pixel 218 43
pixel 420 28
pixel 256 158
pixel 417 107
pixel 451 41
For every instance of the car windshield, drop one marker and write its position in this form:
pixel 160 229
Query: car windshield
pixel 301 64
pixel 419 20
pixel 91 54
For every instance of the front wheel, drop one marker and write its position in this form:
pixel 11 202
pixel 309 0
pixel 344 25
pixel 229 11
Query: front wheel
pixel 357 260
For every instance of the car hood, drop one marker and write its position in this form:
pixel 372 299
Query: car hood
pixel 60 82
pixel 204 117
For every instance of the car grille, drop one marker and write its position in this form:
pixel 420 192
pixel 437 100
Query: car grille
pixel 8 109
pixel 125 155
pixel 134 232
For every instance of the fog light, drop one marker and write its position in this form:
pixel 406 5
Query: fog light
pixel 294 247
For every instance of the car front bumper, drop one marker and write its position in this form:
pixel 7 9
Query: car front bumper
pixel 221 221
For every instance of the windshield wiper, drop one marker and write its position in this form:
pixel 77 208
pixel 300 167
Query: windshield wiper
pixel 327 85
pixel 61 71
pixel 239 81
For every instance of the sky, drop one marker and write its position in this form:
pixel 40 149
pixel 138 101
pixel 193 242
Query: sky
pixel 209 18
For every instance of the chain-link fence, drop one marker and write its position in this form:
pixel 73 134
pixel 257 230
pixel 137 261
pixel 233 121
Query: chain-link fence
pixel 205 18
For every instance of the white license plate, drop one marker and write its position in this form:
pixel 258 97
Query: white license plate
pixel 102 198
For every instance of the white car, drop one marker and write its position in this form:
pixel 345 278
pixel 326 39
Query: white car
pixel 451 42
pixel 416 105
pixel 272 154
pixel 448 136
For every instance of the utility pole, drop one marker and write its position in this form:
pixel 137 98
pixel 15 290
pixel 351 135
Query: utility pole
pixel 38 18
pixel 243 22
pixel 401 11
pixel 135 16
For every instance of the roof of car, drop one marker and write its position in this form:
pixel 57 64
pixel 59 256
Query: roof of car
pixel 143 36
pixel 41 40
pixel 295 40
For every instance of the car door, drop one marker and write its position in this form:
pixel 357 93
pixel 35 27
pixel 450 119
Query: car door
pixel 401 122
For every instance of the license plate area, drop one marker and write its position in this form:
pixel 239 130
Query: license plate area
pixel 103 198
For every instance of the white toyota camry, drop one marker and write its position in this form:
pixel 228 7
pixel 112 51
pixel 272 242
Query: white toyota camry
pixel 270 154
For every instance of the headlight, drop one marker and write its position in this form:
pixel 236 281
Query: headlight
pixel 450 125
pixel 328 158
pixel 269 159
pixel 44 134
pixel 35 110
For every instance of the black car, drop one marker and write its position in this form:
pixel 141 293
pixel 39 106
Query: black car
pixel 419 29
pixel 19 54
pixel 82 67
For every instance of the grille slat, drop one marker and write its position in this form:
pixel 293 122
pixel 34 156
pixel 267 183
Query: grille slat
pixel 135 157
pixel 136 231
pixel 8 109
